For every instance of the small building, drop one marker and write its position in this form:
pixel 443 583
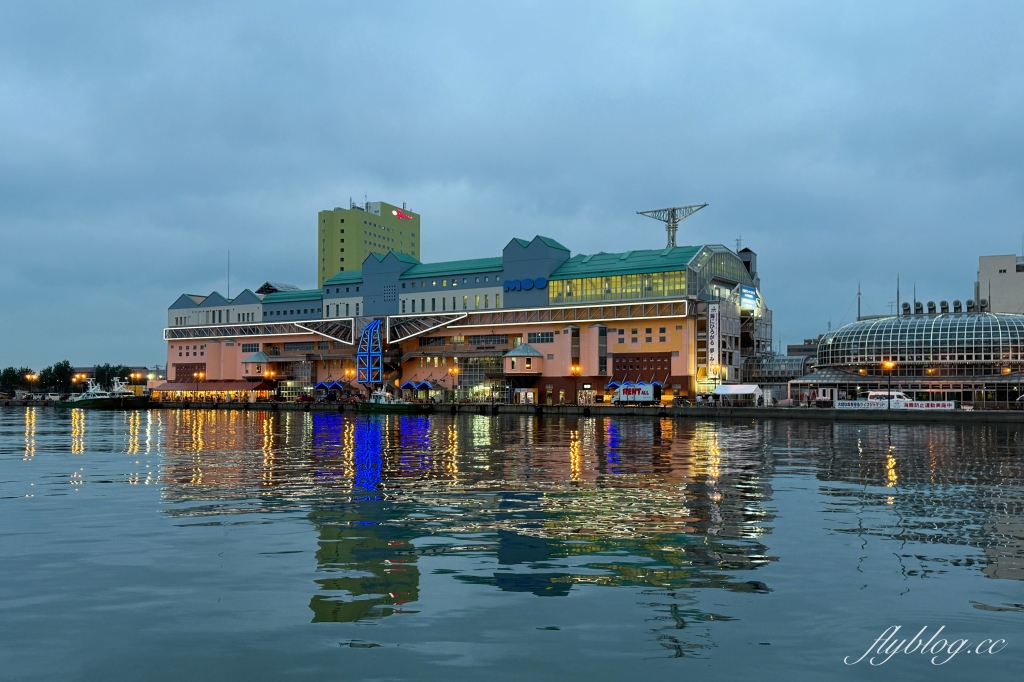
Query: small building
pixel 773 373
pixel 1000 284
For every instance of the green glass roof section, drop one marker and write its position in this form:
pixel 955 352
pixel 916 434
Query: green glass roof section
pixel 292 296
pixel 628 263
pixel 346 277
pixel 454 267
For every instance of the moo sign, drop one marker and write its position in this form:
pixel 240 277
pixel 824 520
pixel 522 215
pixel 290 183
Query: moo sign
pixel 525 284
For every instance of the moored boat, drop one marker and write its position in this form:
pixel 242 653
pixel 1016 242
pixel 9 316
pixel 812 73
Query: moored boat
pixel 97 398
pixel 383 402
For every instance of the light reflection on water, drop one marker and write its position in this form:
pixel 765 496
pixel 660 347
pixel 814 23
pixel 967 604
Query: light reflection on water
pixel 674 510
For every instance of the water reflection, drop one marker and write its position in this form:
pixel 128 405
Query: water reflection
pixel 519 508
pixel 551 505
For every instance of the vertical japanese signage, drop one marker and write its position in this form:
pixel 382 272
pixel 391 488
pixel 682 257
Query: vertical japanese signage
pixel 714 340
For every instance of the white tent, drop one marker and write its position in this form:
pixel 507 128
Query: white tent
pixel 739 390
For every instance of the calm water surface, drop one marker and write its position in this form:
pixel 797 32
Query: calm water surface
pixel 269 546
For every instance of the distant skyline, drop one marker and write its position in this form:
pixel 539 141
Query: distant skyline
pixel 843 143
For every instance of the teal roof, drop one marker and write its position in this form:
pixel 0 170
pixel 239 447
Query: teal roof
pixel 404 257
pixel 628 263
pixel 524 350
pixel 346 277
pixel 290 296
pixel 259 357
pixel 551 242
pixel 454 267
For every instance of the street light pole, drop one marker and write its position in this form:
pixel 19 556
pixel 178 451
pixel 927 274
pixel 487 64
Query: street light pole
pixel 888 365
pixel 575 370
pixel 453 372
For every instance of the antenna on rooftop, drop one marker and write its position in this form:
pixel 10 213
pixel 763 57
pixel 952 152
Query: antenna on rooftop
pixel 671 218
pixel 739 243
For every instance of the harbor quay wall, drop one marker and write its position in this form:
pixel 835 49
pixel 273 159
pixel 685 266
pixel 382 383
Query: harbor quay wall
pixel 556 411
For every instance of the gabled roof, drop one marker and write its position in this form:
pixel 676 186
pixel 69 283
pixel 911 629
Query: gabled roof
pixel 245 298
pixel 186 301
pixel 522 242
pixel 404 257
pixel 454 267
pixel 213 300
pixel 346 277
pixel 551 242
pixel 293 296
pixel 524 350
pixel 628 263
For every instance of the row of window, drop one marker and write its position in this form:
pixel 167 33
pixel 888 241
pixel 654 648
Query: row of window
pixel 216 317
pixel 618 287
pixel 336 309
pixel 192 351
pixel 486 298
pixel 454 282
pixel 297 311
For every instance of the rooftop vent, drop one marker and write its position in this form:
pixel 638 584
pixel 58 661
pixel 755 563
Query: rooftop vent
pixel 970 305
pixel 918 308
pixel 957 308
pixel 983 305
pixel 931 307
pixel 944 307
pixel 906 308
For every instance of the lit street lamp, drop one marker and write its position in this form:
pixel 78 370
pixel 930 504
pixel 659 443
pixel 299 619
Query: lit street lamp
pixel 888 366
pixel 31 377
pixel 453 372
pixel 575 370
pixel 198 376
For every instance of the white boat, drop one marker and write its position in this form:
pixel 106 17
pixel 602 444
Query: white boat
pixel 96 397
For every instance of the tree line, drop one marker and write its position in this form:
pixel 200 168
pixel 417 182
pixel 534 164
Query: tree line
pixel 57 378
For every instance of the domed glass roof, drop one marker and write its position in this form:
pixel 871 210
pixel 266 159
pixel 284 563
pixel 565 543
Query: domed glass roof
pixel 969 338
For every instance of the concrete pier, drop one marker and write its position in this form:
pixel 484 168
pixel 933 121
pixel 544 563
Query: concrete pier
pixel 696 413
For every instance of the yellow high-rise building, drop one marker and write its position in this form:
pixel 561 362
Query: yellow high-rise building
pixel 345 237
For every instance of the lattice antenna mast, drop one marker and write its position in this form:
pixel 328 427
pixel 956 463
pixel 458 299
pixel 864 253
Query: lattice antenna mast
pixel 671 218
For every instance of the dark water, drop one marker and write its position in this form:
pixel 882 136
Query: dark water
pixel 259 546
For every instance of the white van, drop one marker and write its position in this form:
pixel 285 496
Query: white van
pixel 885 396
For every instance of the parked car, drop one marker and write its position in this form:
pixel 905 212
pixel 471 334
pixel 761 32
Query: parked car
pixel 4 396
pixel 305 399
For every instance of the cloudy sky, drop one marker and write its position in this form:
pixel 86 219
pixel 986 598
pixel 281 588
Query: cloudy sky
pixel 842 142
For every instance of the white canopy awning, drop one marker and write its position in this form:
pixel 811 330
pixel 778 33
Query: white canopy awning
pixel 738 389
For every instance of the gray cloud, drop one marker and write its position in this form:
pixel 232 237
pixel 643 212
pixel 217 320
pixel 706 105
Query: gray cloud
pixel 843 143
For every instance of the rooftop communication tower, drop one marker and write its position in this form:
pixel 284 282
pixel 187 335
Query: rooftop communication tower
pixel 671 218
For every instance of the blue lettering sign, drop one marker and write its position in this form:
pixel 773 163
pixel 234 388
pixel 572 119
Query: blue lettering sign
pixel 525 284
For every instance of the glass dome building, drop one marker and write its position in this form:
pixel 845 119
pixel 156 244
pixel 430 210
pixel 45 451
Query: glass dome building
pixel 969 357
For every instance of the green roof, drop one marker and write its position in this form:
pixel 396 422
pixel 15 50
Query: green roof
pixel 628 263
pixel 454 267
pixel 290 296
pixel 551 242
pixel 404 257
pixel 346 277
pixel 524 350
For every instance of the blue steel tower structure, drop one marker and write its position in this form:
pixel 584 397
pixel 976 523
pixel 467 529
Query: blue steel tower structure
pixel 370 356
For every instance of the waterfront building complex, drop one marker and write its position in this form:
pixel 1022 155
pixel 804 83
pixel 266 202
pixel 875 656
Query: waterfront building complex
pixel 535 324
pixel 345 237
pixel 969 357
